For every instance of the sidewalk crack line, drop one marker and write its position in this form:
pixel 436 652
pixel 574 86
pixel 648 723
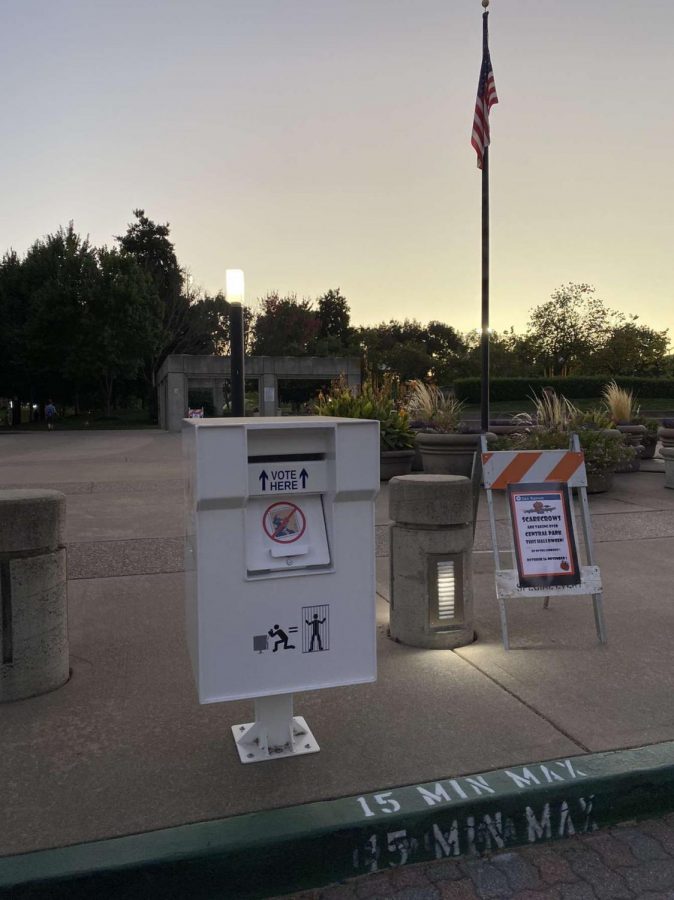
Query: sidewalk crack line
pixel 529 706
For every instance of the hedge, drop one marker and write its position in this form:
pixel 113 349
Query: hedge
pixel 574 387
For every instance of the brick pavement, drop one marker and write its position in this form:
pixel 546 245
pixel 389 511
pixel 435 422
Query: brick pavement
pixel 632 860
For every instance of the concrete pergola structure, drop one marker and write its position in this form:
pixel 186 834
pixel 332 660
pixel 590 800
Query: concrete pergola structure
pixel 180 372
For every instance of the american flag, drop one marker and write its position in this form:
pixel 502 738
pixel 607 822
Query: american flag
pixel 486 98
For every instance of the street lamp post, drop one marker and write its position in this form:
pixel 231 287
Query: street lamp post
pixel 234 295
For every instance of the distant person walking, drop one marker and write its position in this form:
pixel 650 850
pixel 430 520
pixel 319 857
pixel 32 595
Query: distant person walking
pixel 50 414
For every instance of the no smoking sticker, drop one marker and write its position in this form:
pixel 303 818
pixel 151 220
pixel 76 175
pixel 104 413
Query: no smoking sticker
pixel 284 522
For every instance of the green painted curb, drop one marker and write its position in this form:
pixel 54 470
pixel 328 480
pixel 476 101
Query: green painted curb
pixel 273 852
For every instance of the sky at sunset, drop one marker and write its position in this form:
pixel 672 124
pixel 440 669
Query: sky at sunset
pixel 325 143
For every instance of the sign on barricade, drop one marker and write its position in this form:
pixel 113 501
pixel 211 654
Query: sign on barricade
pixel 544 542
pixel 539 486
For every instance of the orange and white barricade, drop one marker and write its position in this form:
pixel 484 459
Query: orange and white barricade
pixel 502 468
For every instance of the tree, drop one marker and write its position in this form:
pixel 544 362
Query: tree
pixel 414 351
pixel 398 347
pixel 511 355
pixel 570 327
pixel 58 274
pixel 15 378
pixel 632 349
pixel 120 321
pixel 335 335
pixel 447 350
pixel 148 243
pixel 285 326
pixel 208 326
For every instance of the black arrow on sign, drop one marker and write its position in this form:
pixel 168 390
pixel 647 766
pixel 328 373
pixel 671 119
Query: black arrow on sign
pixel 263 478
pixel 304 475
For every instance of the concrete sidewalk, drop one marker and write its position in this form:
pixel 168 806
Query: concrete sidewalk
pixel 124 747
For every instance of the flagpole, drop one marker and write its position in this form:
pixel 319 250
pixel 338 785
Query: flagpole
pixel 484 339
pixel 484 396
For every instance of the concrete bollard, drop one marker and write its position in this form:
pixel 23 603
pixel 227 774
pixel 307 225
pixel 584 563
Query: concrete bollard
pixel 33 598
pixel 431 560
pixel 668 456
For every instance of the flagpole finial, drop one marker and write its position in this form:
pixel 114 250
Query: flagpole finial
pixel 485 4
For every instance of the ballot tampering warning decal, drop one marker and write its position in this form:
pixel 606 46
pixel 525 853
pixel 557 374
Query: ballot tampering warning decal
pixel 284 522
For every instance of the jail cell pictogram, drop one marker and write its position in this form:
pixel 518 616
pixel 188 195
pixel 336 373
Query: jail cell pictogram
pixel 315 628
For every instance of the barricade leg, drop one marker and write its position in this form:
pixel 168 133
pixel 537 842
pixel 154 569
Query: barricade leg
pixel 599 617
pixel 504 623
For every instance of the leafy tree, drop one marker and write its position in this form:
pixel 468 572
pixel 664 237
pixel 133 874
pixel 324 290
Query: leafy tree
pixel 148 243
pixel 15 378
pixel 335 334
pixel 414 351
pixel 119 321
pixel 285 326
pixel 632 349
pixel 208 326
pixel 398 347
pixel 510 355
pixel 59 274
pixel 522 355
pixel 570 327
pixel 447 349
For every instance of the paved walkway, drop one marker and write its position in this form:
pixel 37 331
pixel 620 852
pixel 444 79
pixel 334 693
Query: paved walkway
pixel 125 748
pixel 623 862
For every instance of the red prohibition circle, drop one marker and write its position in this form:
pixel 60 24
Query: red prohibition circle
pixel 293 509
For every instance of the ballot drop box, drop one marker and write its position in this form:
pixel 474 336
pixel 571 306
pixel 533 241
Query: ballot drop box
pixel 280 565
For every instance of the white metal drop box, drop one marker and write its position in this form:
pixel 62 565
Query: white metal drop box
pixel 280 554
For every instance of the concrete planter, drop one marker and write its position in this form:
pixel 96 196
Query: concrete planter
pixel 649 443
pixel 395 462
pixel 448 454
pixel 33 597
pixel 632 435
pixel 599 482
pixel 666 435
pixel 502 429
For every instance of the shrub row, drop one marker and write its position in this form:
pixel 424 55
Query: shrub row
pixel 573 387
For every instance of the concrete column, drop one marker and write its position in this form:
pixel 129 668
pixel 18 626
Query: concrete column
pixel 33 600
pixel 216 398
pixel 268 386
pixel 161 403
pixel 176 400
pixel 353 380
pixel 431 560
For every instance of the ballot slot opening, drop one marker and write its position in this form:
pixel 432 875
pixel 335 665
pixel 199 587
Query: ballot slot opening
pixel 286 457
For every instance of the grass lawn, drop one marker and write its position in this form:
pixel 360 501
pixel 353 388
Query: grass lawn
pixel 92 421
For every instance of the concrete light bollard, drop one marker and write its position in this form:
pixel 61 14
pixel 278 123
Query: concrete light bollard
pixel 33 598
pixel 431 560
pixel 668 456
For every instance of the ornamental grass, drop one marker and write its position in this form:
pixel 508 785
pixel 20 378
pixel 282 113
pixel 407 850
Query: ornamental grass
pixel 620 403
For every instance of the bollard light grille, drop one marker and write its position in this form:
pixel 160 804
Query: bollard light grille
pixel 445 591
